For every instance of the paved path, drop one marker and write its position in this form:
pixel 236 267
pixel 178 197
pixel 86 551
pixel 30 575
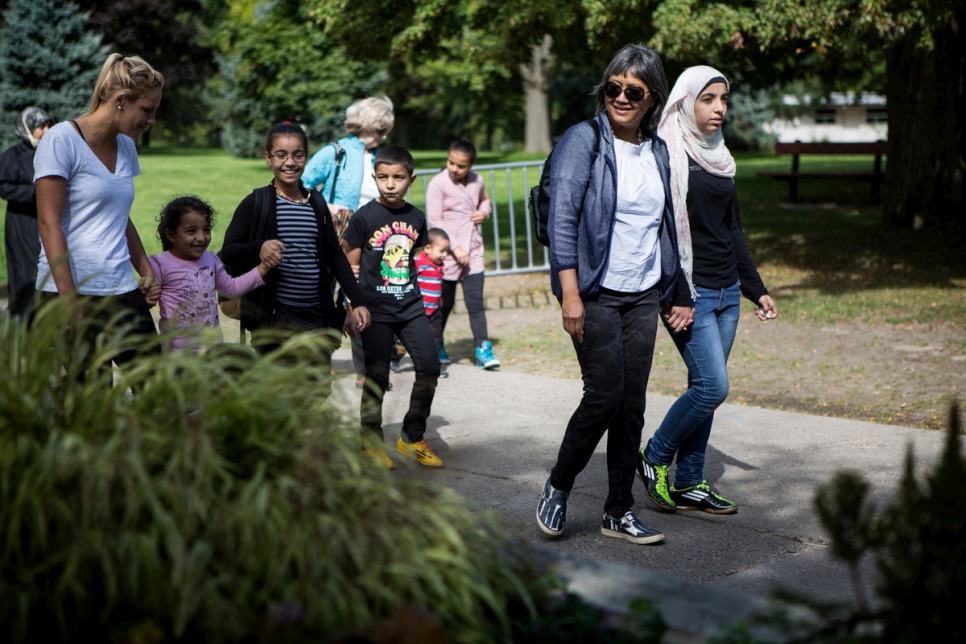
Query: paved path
pixel 499 432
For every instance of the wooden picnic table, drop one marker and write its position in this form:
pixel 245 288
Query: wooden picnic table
pixel 798 148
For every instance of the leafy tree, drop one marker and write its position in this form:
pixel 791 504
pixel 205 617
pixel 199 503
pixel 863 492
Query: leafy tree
pixel 48 59
pixel 918 42
pixel 165 33
pixel 274 66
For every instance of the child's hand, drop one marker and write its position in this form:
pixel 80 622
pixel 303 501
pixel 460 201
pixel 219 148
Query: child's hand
pixel 150 290
pixel 479 217
pixel 271 253
pixel 349 326
pixel 362 318
pixel 461 256
pixel 355 271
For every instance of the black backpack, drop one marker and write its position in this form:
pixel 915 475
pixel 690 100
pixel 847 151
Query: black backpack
pixel 540 194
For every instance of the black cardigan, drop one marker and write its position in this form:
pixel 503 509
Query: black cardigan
pixel 243 243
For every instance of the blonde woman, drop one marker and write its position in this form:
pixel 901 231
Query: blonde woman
pixel 84 172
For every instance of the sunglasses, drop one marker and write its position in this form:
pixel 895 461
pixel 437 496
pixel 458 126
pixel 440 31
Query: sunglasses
pixel 633 93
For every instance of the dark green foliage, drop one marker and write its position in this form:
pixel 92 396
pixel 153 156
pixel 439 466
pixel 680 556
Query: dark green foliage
pixel 221 501
pixel 274 65
pixel 47 59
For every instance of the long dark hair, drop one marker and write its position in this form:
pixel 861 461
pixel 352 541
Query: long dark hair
pixel 645 64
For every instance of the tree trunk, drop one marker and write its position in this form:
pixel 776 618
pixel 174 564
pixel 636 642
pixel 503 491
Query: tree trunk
pixel 535 79
pixel 924 173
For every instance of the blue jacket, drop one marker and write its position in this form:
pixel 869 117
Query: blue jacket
pixel 321 168
pixel 583 209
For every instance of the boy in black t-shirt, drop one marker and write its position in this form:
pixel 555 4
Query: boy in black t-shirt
pixel 381 243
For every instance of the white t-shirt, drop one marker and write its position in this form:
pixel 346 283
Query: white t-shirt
pixel 369 190
pixel 96 211
pixel 634 264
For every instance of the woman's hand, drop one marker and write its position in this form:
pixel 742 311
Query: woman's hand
pixel 461 256
pixel 572 309
pixel 766 309
pixel 479 217
pixel 271 252
pixel 150 290
pixel 362 318
pixel 679 318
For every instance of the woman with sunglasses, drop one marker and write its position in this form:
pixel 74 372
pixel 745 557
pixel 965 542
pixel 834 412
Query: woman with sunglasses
pixel 342 172
pixel 718 270
pixel 614 263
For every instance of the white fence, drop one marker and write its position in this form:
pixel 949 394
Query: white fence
pixel 508 236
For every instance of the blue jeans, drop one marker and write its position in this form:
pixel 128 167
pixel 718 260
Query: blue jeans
pixel 705 347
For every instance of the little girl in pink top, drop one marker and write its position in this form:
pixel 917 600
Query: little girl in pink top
pixel 456 202
pixel 190 277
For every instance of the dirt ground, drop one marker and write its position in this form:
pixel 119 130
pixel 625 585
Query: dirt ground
pixel 901 375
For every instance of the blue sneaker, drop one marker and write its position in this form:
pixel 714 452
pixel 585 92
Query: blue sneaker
pixel 485 358
pixel 443 356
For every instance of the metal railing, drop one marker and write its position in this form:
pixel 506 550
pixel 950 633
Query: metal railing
pixel 512 248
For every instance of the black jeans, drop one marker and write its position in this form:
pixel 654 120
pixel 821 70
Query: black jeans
pixel 417 337
pixel 99 309
pixel 473 297
pixel 292 320
pixel 615 363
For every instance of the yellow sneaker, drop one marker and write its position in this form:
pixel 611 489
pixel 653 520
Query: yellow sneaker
pixel 379 457
pixel 420 451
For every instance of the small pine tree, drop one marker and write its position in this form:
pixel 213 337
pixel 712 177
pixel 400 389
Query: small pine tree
pixel 47 59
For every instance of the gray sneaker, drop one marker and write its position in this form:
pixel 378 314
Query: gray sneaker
pixel 552 509
pixel 629 528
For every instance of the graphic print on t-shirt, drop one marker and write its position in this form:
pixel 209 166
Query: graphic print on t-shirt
pixel 396 241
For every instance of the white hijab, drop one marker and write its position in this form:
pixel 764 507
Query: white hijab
pixel 679 129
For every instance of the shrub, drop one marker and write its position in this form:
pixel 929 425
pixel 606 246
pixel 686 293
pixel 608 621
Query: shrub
pixel 221 501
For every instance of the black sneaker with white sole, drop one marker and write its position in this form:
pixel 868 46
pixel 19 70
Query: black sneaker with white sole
pixel 654 478
pixel 703 499
pixel 629 528
pixel 552 509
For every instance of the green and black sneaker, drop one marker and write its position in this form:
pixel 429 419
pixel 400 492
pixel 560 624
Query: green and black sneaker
pixel 654 478
pixel 703 499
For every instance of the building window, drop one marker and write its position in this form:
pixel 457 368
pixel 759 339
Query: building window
pixel 876 115
pixel 825 117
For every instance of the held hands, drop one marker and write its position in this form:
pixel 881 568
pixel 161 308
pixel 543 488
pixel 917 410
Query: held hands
pixel 150 290
pixel 271 253
pixel 479 217
pixel 766 309
pixel 357 320
pixel 572 310
pixel 679 318
pixel 461 256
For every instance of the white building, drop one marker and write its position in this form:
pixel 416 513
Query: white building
pixel 841 118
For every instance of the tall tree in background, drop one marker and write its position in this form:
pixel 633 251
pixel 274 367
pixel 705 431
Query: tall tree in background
pixel 48 59
pixel 165 33
pixel 274 66
pixel 921 44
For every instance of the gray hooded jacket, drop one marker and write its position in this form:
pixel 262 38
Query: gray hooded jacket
pixel 583 209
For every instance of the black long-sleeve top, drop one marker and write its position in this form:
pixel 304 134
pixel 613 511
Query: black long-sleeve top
pixel 247 232
pixel 721 256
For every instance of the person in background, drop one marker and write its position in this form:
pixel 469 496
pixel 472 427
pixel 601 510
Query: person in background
pixel 21 238
pixel 429 275
pixel 456 201
pixel 84 171
pixel 718 269
pixel 614 263
pixel 342 173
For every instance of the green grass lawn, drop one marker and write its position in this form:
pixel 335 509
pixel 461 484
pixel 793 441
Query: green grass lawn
pixel 827 258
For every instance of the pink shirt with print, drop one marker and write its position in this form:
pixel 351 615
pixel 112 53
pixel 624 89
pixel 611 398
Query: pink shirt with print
pixel 450 206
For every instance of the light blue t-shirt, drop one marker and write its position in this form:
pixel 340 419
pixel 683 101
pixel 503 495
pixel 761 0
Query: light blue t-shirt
pixel 96 211
pixel 634 262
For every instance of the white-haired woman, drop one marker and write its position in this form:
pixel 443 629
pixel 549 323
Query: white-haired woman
pixel 343 173
pixel 719 270
pixel 84 171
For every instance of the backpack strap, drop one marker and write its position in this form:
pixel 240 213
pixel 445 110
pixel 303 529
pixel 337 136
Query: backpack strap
pixel 339 156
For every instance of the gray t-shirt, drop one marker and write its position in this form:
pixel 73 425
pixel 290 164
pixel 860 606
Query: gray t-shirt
pixel 96 211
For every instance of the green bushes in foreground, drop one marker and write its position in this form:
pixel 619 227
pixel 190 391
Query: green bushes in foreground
pixel 220 502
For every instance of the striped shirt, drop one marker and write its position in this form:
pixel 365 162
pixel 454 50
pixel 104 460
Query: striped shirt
pixel 298 229
pixel 430 279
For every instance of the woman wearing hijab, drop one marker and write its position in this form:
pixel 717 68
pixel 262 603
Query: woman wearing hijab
pixel 719 270
pixel 614 263
pixel 21 238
